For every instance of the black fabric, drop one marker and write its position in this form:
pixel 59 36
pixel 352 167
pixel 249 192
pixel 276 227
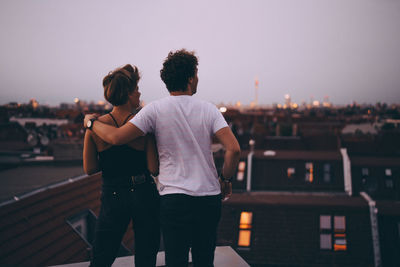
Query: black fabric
pixel 118 163
pixel 188 221
pixel 123 201
pixel 139 203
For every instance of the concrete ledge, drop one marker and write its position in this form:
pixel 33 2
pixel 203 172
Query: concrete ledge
pixel 224 257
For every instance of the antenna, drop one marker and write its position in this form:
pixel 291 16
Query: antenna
pixel 256 91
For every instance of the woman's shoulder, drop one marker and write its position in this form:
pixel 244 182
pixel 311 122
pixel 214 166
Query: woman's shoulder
pixel 101 145
pixel 106 118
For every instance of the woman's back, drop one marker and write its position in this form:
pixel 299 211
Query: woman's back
pixel 119 162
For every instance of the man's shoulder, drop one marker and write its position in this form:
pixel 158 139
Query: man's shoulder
pixel 203 103
pixel 155 103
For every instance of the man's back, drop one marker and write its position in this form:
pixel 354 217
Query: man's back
pixel 183 126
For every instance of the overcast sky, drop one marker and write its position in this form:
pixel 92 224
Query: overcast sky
pixel 349 50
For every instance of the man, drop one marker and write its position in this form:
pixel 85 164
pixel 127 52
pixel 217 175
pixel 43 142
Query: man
pixel 190 191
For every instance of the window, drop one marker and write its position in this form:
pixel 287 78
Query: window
pixel 325 222
pixel 338 232
pixel 245 226
pixel 291 172
pixel 327 173
pixel 84 223
pixel 81 226
pixel 369 184
pixel 326 241
pixel 241 169
pixel 309 172
pixel 389 179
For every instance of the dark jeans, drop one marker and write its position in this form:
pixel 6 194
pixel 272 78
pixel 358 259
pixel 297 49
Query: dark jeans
pixel 188 221
pixel 118 207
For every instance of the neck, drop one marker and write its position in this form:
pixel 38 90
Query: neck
pixel 187 92
pixel 122 110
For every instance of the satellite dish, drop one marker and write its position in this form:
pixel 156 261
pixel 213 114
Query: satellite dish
pixel 44 140
pixel 32 139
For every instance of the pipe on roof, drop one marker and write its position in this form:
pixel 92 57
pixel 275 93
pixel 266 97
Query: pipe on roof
pixel 373 214
pixel 346 172
pixel 249 165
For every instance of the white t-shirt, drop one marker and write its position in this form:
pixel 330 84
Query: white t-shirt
pixel 183 127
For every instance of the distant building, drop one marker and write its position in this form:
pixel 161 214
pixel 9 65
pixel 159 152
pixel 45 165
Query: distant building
pixel 313 208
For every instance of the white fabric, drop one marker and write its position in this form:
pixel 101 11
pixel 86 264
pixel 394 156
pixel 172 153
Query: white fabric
pixel 183 127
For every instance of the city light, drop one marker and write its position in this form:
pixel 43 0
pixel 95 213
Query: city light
pixel 223 109
pixel 316 103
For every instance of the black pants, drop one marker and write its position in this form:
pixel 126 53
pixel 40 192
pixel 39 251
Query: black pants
pixel 118 207
pixel 188 221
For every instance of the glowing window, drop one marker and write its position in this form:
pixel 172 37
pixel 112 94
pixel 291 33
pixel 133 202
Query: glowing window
pixel 333 238
pixel 246 219
pixel 241 169
pixel 325 222
pixel 291 172
pixel 340 242
pixel 340 224
pixel 325 241
pixel 309 172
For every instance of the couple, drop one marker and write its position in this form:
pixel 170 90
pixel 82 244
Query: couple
pixel 188 206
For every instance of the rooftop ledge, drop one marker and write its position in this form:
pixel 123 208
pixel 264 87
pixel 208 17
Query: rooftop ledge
pixel 224 257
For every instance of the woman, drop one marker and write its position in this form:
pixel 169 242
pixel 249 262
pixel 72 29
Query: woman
pixel 128 190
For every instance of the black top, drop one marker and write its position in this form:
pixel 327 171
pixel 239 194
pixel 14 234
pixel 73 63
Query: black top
pixel 119 163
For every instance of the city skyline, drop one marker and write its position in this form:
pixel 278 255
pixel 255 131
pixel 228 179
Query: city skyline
pixel 57 51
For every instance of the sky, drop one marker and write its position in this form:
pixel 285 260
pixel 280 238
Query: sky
pixel 348 50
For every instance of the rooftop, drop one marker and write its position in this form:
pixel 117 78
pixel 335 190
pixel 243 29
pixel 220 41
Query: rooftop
pixel 312 199
pixel 18 181
pixel 224 257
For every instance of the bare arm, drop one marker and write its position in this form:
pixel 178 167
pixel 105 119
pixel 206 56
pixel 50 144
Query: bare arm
pixel 90 158
pixel 113 135
pixel 232 151
pixel 152 155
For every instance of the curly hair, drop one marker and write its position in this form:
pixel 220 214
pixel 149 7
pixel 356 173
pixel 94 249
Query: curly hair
pixel 119 83
pixel 178 67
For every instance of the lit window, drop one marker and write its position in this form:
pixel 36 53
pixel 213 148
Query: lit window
pixel 388 172
pixel 340 224
pixel 339 241
pixel 245 226
pixel 241 169
pixel 325 241
pixel 291 172
pixel 309 172
pixel 325 222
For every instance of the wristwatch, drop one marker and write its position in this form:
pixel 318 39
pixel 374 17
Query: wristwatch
pixel 226 180
pixel 89 124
